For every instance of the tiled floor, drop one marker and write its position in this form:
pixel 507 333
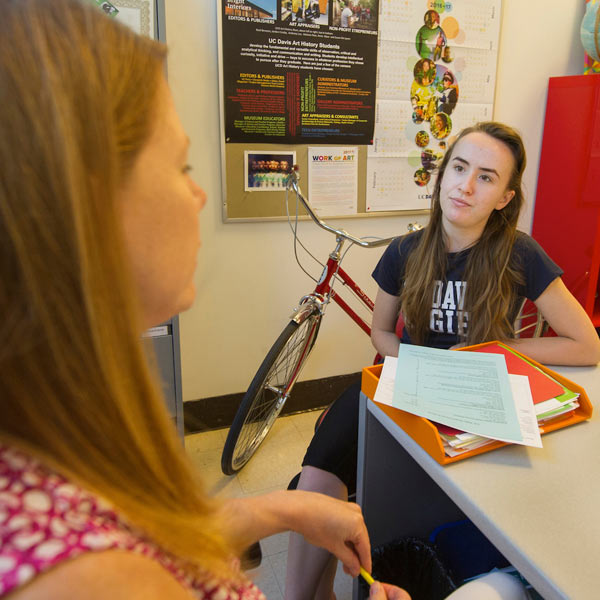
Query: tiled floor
pixel 275 463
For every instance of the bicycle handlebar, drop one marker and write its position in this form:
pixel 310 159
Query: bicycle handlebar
pixel 293 184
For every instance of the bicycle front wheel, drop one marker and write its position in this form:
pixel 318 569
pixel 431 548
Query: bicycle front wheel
pixel 268 392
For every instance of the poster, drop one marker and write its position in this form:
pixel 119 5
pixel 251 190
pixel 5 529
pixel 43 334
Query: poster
pixel 333 180
pixel 299 71
pixel 436 75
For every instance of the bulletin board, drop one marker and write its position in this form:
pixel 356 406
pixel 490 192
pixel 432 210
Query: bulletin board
pixel 394 81
pixel 240 204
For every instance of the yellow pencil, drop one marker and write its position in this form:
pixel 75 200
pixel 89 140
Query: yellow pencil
pixel 366 576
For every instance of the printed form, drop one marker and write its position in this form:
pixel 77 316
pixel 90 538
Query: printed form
pixel 333 180
pixel 462 391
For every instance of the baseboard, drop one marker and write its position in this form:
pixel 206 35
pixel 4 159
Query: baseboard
pixel 218 412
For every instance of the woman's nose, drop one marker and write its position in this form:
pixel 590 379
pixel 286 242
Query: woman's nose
pixel 200 195
pixel 466 185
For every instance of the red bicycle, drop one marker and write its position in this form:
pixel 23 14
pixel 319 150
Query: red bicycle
pixel 275 378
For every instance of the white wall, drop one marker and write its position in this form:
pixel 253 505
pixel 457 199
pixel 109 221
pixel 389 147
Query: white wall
pixel 539 39
pixel 247 279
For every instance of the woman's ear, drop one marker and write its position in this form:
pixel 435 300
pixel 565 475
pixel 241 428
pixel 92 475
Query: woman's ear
pixel 506 198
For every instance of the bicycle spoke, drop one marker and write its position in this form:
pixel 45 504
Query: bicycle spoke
pixel 263 413
pixel 254 431
pixel 273 391
pixel 289 359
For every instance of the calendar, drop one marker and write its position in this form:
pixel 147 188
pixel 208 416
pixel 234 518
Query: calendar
pixel 390 185
pixel 395 62
pixel 393 131
pixel 436 75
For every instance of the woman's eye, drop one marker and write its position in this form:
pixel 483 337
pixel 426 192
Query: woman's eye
pixel 458 168
pixel 486 178
pixel 186 169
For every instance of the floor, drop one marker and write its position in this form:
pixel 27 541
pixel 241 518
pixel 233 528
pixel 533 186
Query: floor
pixel 275 463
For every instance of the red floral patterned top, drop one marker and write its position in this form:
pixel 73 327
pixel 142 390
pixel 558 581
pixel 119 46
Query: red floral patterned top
pixel 45 519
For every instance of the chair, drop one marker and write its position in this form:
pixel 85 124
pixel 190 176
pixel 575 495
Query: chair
pixel 530 322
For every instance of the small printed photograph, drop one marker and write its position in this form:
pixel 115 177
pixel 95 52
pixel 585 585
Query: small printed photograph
pixel 440 125
pixel 430 159
pixel 266 171
pixel 259 9
pixel 425 72
pixel 418 115
pixel 431 39
pixel 446 91
pixel 305 11
pixel 447 55
pixel 423 100
pixel 422 139
pixel 422 177
pixel 355 14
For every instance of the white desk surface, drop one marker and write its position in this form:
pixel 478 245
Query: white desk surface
pixel 540 507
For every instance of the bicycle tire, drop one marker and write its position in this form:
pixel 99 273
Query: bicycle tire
pixel 261 404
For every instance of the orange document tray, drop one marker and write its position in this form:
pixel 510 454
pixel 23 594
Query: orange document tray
pixel 426 434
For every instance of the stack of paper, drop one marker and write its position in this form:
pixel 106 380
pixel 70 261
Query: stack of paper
pixel 475 397
pixel 551 401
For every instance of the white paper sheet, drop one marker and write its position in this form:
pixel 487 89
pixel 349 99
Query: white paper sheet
pixel 333 180
pixel 465 390
pixel 520 390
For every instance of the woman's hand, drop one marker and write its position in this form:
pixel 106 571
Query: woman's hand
pixel 385 591
pixel 337 526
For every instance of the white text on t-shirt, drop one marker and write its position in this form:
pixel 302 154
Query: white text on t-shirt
pixel 447 309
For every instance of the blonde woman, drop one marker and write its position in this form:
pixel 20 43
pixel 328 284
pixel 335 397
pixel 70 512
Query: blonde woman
pixel 98 241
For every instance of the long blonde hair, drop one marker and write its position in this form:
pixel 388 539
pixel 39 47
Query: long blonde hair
pixel 78 94
pixel 492 272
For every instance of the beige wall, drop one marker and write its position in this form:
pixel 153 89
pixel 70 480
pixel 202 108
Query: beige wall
pixel 247 279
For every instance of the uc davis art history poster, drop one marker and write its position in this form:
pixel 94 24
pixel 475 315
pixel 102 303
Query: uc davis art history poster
pixel 299 71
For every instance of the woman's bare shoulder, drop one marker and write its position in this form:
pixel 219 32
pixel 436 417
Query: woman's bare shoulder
pixel 114 574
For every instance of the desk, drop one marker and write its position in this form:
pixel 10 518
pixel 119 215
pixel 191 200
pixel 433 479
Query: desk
pixel 539 506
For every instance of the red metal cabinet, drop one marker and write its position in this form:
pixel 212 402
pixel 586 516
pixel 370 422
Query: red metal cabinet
pixel 566 219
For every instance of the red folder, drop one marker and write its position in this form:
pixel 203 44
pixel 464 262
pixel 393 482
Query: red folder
pixel 542 387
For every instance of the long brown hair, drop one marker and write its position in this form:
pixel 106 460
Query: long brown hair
pixel 491 272
pixel 78 94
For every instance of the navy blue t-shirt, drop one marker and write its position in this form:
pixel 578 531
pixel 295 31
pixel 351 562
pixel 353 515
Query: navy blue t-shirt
pixel 449 320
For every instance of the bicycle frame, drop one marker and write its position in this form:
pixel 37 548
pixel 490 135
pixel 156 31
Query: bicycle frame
pixel 279 370
pixel 322 295
pixel 332 270
pixel 324 288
